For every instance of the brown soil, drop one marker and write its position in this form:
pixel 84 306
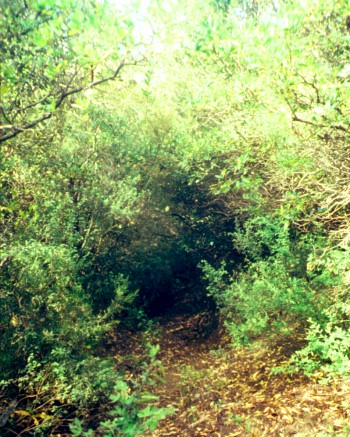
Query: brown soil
pixel 217 390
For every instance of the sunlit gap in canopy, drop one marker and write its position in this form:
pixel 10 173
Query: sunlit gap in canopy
pixel 137 11
pixel 151 20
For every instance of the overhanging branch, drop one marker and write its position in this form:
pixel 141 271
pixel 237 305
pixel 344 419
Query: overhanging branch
pixel 16 130
pixel 332 126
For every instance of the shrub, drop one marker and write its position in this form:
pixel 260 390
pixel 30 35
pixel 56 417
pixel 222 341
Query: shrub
pixel 328 349
pixel 130 416
pixel 273 291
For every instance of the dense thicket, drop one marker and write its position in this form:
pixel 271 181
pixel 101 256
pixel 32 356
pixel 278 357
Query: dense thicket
pixel 211 160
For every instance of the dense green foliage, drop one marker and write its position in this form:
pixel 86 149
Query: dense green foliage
pixel 212 162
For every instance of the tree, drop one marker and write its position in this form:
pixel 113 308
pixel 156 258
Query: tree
pixel 50 52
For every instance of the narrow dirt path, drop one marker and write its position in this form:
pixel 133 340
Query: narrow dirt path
pixel 220 391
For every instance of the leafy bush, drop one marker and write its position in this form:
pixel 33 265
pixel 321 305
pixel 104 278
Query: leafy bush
pixel 328 349
pixel 328 339
pixel 83 381
pixel 44 306
pixel 273 292
pixel 130 416
pixel 263 298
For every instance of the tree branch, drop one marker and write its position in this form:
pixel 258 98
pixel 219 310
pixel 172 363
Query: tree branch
pixel 332 126
pixel 18 129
